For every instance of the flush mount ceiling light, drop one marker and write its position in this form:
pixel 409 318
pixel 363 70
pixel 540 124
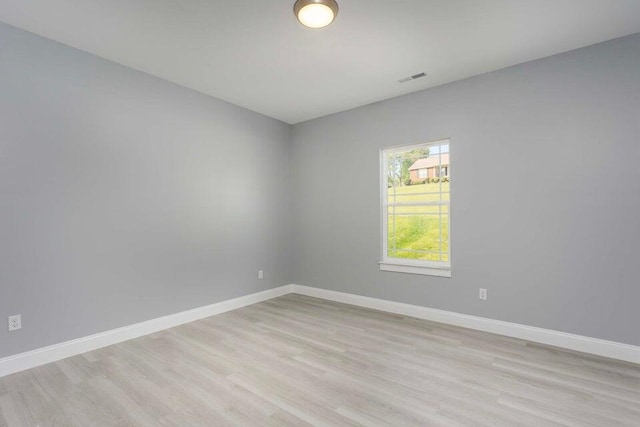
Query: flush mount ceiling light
pixel 315 13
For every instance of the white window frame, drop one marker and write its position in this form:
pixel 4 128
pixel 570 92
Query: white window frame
pixel 400 265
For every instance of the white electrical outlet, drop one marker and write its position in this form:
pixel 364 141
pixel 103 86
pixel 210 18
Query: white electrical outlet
pixel 483 294
pixel 15 322
pixel 260 274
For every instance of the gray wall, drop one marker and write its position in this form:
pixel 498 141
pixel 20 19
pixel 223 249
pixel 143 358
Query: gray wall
pixel 545 193
pixel 124 197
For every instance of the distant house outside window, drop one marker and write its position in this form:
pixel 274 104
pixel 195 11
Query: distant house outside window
pixel 415 209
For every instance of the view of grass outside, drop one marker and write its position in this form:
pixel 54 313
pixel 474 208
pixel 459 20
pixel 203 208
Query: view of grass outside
pixel 414 232
pixel 417 205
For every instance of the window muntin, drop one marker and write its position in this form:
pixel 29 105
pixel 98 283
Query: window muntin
pixel 416 205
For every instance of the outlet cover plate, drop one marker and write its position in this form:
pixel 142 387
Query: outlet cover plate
pixel 15 322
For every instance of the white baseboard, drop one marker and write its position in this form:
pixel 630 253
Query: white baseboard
pixel 41 356
pixel 52 353
pixel 599 347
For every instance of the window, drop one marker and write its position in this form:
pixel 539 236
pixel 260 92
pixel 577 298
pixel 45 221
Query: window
pixel 416 209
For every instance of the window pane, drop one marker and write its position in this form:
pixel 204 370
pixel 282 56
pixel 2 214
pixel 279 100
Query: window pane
pixel 433 192
pixel 418 236
pixel 416 210
pixel 419 170
pixel 417 198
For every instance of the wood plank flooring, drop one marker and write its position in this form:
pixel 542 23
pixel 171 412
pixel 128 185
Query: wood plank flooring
pixel 296 361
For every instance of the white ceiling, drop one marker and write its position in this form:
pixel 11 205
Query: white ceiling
pixel 254 53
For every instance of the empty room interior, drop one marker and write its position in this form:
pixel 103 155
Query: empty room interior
pixel 319 213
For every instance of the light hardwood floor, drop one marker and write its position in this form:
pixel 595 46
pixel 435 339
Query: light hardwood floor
pixel 298 360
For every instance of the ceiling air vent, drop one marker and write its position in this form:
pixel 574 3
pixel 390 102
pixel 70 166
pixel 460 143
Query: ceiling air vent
pixel 414 77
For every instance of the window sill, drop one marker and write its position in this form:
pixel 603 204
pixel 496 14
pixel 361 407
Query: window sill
pixel 412 269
